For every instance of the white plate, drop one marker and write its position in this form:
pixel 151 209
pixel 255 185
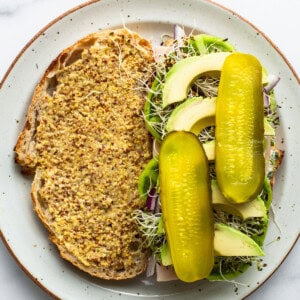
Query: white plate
pixel 21 230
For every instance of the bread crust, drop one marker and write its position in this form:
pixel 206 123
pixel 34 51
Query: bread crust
pixel 78 108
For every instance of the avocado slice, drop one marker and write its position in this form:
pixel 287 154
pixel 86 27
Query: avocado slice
pixel 197 113
pixel 209 149
pixel 184 72
pixel 231 242
pixel 227 242
pixel 255 208
pixel 193 115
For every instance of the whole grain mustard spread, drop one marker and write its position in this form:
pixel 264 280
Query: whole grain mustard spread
pixel 91 146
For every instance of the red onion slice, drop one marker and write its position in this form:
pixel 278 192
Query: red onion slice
pixel 152 199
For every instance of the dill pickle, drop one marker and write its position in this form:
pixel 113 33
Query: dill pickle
pixel 240 164
pixel 186 205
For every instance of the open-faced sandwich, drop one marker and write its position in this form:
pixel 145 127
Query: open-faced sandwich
pixel 142 160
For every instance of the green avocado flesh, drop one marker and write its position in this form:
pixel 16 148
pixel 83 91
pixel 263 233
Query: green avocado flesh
pixel 252 209
pixel 231 242
pixel 195 114
pixel 209 149
pixel 185 71
pixel 227 242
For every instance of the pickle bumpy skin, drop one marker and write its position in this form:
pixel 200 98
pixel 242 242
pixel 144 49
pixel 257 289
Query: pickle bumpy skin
pixel 186 205
pixel 239 137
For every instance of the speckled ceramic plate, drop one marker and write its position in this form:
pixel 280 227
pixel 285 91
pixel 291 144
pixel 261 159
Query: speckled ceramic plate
pixel 21 230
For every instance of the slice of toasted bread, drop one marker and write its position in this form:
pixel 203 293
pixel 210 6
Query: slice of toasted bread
pixel 85 142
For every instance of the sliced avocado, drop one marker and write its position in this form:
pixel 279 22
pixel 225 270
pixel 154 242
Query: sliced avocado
pixel 180 77
pixel 209 148
pixel 231 242
pixel 184 72
pixel 255 208
pixel 227 242
pixel 197 113
pixel 193 115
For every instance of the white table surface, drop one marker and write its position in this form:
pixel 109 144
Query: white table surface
pixel 20 20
